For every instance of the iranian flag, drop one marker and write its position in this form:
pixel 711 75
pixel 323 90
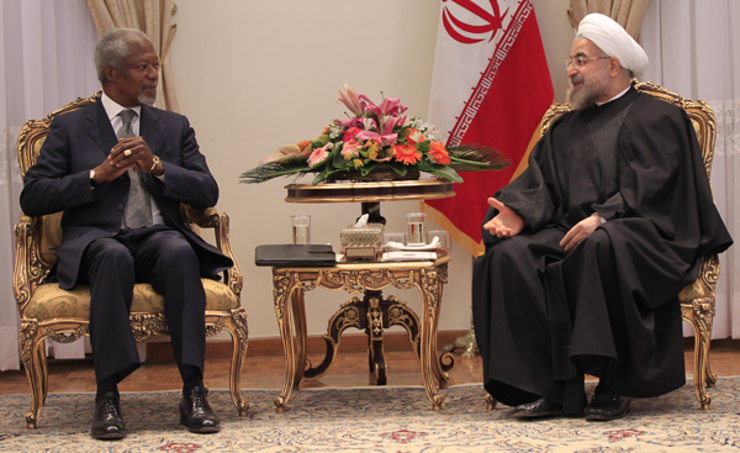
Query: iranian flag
pixel 491 86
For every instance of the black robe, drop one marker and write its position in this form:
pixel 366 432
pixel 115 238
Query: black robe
pixel 609 308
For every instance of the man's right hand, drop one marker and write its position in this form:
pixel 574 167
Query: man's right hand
pixel 507 222
pixel 109 170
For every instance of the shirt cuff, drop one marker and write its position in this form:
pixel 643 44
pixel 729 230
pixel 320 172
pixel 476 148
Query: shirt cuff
pixel 602 219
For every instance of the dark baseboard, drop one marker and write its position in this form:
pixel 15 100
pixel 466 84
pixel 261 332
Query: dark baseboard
pixel 161 352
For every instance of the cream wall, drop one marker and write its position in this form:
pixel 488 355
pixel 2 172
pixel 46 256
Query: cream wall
pixel 255 75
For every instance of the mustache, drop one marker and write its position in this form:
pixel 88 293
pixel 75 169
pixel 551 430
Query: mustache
pixel 148 86
pixel 578 78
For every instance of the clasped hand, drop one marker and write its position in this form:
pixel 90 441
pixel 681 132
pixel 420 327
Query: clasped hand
pixel 127 153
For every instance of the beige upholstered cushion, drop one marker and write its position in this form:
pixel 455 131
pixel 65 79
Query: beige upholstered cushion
pixel 49 301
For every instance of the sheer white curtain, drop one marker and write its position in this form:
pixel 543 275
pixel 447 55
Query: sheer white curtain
pixel 47 60
pixel 694 50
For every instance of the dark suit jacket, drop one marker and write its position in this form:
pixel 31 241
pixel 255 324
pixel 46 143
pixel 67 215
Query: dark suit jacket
pixel 79 141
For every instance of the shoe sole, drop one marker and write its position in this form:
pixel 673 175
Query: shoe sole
pixel 202 430
pixel 108 436
pixel 601 418
pixel 526 416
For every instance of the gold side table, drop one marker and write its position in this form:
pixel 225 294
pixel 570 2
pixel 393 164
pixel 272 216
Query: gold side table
pixel 373 313
pixel 291 283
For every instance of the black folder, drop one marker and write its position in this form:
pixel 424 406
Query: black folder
pixel 294 255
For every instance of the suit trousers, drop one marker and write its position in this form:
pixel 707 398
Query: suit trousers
pixel 157 255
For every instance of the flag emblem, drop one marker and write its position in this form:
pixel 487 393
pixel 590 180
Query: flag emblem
pixel 485 23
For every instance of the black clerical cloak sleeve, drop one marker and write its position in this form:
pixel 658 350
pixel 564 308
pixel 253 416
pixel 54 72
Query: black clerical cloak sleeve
pixel 534 194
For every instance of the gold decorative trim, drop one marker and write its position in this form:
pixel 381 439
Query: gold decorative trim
pixel 369 192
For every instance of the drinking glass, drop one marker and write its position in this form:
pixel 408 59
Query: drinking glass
pixel 301 228
pixel 415 233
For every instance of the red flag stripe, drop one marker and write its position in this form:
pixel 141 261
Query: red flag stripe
pixel 503 112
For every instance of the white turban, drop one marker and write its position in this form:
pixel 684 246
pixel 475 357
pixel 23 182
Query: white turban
pixel 610 37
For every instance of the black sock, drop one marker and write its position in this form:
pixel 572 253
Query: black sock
pixel 191 378
pixel 109 384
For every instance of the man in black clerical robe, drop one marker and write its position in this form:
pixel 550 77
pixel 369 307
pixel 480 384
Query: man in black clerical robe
pixel 587 250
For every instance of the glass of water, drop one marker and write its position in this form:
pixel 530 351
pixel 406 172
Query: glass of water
pixel 415 233
pixel 301 228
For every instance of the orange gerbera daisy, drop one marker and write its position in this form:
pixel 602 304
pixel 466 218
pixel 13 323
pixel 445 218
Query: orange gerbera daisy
pixel 439 153
pixel 406 154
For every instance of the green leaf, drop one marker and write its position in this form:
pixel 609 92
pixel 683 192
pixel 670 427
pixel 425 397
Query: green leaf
pixel 446 172
pixel 320 141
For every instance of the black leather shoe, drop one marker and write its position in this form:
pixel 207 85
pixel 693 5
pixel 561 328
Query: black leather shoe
pixel 107 420
pixel 196 413
pixel 541 408
pixel 607 405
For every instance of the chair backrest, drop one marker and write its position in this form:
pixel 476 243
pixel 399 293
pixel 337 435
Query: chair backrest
pixel 30 139
pixel 701 115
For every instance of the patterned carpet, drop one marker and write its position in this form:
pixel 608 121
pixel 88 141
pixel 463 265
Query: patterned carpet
pixel 378 420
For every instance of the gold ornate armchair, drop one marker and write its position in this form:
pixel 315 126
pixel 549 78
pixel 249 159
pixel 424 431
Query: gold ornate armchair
pixel 48 312
pixel 697 300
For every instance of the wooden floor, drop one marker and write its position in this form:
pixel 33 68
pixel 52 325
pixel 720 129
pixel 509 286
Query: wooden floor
pixel 268 372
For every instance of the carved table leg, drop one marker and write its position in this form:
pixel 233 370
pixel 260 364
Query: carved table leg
pixel 398 314
pixel 286 287
pixel 375 335
pixel 347 316
pixel 373 314
pixel 301 335
pixel 429 310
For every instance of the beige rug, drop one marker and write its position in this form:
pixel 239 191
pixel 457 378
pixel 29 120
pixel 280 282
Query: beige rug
pixel 377 419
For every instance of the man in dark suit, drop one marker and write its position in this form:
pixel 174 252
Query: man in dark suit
pixel 119 169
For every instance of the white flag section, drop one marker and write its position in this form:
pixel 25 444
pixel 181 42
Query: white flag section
pixel 468 36
pixel 490 87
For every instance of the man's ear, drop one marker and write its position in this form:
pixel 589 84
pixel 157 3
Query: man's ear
pixel 111 74
pixel 614 67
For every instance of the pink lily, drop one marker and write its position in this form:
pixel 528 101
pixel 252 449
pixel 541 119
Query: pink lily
pixel 386 137
pixel 389 106
pixel 355 121
pixel 349 97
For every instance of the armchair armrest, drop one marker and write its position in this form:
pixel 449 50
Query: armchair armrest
pixel 29 270
pixel 219 221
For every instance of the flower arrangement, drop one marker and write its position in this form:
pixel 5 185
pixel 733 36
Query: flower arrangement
pixel 374 139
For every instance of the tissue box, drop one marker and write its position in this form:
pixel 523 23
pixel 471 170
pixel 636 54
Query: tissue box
pixel 362 243
pixel 369 234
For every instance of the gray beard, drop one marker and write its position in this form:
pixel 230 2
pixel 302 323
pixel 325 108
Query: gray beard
pixel 145 100
pixel 580 99
pixel 588 94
